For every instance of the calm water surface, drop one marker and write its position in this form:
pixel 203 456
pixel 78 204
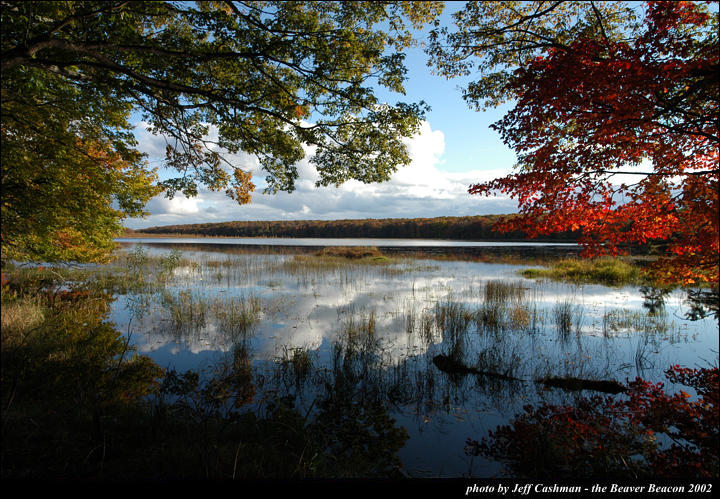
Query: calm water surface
pixel 402 315
pixel 314 241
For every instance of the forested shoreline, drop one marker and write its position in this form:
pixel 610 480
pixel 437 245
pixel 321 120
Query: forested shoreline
pixel 469 228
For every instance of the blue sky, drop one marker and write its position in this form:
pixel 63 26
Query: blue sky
pixel 454 149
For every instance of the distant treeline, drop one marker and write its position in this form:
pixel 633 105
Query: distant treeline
pixel 473 228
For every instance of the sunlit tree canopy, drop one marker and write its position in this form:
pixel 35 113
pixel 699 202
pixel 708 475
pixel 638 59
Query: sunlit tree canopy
pixel 266 78
pixel 615 120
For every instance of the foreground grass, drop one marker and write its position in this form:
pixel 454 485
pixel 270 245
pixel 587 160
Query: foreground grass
pixel 605 270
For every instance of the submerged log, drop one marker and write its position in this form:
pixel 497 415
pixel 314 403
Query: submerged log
pixel 574 384
pixel 449 365
pixel 454 367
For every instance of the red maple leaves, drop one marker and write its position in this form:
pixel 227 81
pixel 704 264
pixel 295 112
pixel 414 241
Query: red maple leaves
pixel 620 139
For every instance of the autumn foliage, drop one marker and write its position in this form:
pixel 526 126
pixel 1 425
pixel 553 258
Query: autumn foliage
pixel 215 79
pixel 618 138
pixel 649 433
pixel 471 228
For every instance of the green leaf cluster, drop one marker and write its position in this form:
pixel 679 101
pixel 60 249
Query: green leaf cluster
pixel 271 79
pixel 491 40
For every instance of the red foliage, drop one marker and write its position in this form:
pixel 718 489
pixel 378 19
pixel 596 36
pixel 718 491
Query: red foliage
pixel 600 108
pixel 650 433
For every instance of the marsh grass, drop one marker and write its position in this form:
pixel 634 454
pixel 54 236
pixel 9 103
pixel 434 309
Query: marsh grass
pixel 604 270
pixel 506 306
pixel 296 363
pixel 237 316
pixel 641 356
pixel 568 317
pixel 622 320
pixel 21 316
pixel 453 320
pixel 503 292
pixel 521 317
pixel 427 327
pixel 501 358
pixel 421 322
pixel 353 252
pixel 66 374
pixel 186 309
pixel 364 369
pixel 347 266
pixel 490 317
pixel 562 314
pixel 65 360
pixel 52 279
pixel 357 355
pixel 359 331
pixel 308 269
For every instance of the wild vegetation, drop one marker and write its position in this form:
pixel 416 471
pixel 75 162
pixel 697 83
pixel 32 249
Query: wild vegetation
pixel 80 402
pixel 601 91
pixel 607 437
pixel 604 270
pixel 73 72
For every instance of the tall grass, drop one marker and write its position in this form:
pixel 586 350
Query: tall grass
pixel 453 319
pixel 604 270
pixel 503 292
pixel 21 316
pixel 186 309
pixel 237 316
pixel 76 406
pixel 353 252
pixel 296 363
pixel 563 313
pixel 632 321
pixel 506 307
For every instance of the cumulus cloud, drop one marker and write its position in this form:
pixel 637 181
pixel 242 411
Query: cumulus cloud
pixel 421 189
pixel 178 205
pixel 154 146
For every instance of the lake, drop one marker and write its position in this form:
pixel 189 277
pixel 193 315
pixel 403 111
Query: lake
pixel 301 320
pixel 322 242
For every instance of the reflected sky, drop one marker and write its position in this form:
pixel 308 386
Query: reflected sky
pixel 303 304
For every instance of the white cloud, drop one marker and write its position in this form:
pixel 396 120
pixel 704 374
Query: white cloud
pixel 155 145
pixel 150 144
pixel 178 205
pixel 421 189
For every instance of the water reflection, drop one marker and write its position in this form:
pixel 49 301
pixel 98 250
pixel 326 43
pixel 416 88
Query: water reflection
pixel 452 348
pixel 654 298
pixel 703 303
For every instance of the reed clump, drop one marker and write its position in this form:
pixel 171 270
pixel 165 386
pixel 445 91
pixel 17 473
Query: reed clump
pixel 21 316
pixel 604 270
pixel 187 309
pixel 626 321
pixel 564 315
pixel 505 307
pixel 351 252
pixel 295 363
pixel 237 315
